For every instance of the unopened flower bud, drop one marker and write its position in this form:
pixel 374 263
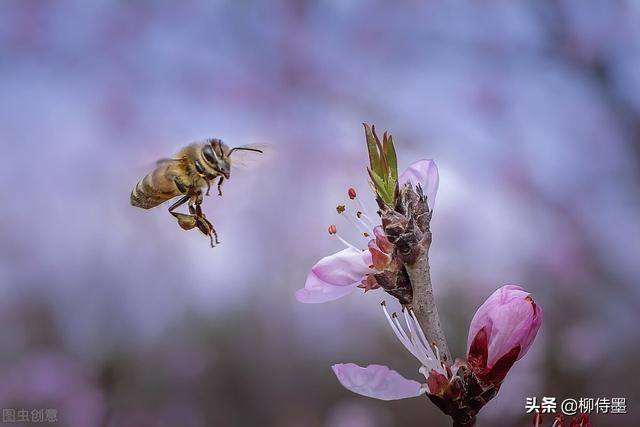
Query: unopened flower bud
pixel 379 258
pixel 369 283
pixel 381 240
pixel 501 332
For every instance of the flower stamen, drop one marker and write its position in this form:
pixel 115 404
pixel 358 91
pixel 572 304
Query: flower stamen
pixel 364 228
pixel 412 341
pixel 396 331
pixel 416 344
pixel 423 338
pixel 333 231
pixel 426 349
pixel 362 211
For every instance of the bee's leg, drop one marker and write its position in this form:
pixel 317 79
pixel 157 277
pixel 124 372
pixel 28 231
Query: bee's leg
pixel 202 174
pixel 180 202
pixel 215 233
pixel 189 222
pixel 220 186
pixel 186 222
pixel 205 228
pixel 197 199
pixel 197 211
pixel 204 225
pixel 180 186
pixel 193 220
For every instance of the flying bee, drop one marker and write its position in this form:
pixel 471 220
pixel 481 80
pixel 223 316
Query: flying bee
pixel 193 169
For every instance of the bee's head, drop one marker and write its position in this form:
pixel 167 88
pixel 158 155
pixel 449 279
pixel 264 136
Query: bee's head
pixel 216 154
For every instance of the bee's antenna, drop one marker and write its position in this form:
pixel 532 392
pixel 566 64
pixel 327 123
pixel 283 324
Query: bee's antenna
pixel 255 150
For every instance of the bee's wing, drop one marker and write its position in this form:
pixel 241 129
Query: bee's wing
pixel 164 161
pixel 249 156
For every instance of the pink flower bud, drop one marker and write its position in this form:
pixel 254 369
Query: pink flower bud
pixel 381 240
pixel 501 332
pixel 380 259
pixel 369 283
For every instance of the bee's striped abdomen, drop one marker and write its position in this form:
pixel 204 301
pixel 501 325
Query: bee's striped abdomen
pixel 155 188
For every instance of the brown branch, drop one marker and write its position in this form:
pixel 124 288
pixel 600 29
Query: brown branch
pixel 424 305
pixel 407 226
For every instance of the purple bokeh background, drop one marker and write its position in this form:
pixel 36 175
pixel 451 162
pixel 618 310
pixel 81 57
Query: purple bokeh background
pixel 117 317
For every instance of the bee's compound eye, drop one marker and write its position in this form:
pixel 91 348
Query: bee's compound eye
pixel 208 154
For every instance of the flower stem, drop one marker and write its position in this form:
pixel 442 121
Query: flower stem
pixel 424 305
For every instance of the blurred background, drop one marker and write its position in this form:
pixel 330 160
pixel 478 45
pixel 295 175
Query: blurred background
pixel 116 317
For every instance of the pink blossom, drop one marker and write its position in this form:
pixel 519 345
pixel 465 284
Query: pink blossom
pixel 376 381
pixel 425 174
pixel 336 275
pixel 501 332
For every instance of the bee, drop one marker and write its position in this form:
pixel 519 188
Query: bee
pixel 193 169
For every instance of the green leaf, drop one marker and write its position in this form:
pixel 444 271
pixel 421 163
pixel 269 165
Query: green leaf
pixel 372 147
pixel 381 188
pixel 383 160
pixel 383 163
pixel 390 154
